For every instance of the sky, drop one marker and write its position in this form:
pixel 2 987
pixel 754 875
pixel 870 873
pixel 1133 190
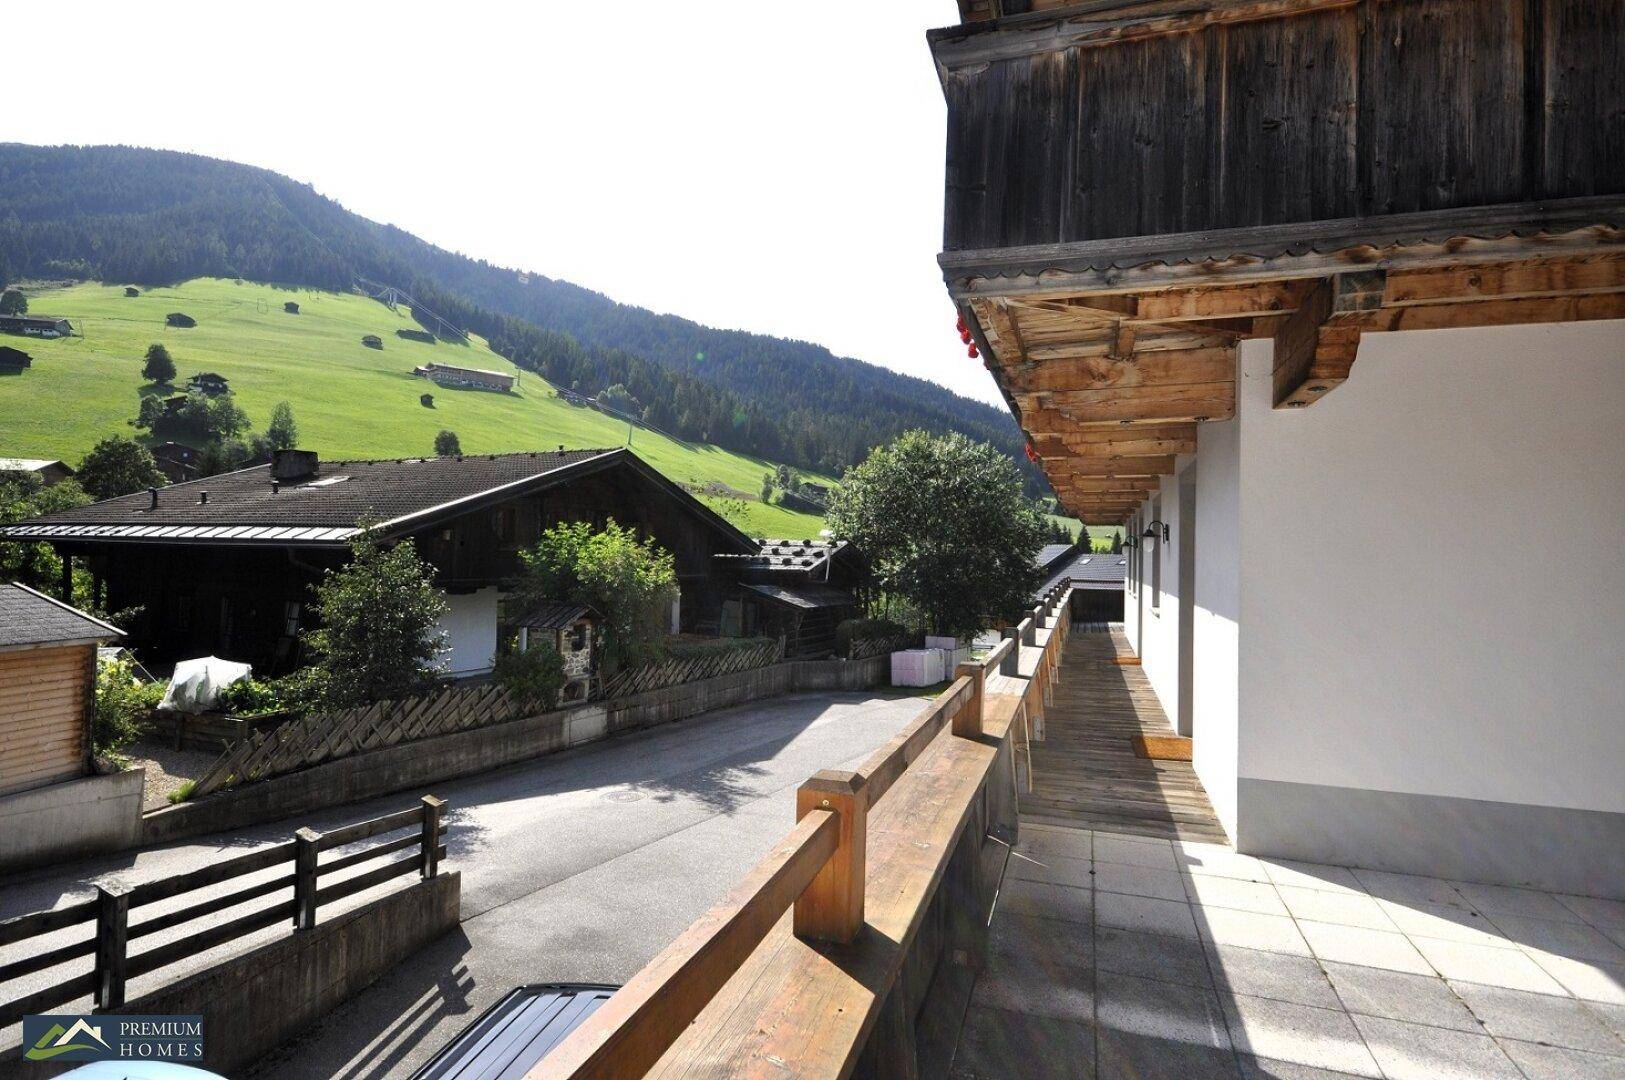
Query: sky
pixel 761 164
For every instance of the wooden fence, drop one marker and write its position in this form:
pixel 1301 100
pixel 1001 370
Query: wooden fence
pixel 311 740
pixel 863 648
pixel 819 870
pixel 707 664
pixel 113 963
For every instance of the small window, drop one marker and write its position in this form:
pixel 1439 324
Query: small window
pixel 578 637
pixel 506 523
pixel 290 618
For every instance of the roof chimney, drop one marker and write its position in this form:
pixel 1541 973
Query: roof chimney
pixel 203 498
pixel 276 485
pixel 152 498
pixel 293 464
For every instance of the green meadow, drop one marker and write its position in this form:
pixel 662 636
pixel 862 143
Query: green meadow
pixel 349 401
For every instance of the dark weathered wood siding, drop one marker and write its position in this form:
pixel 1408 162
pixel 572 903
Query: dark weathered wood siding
pixel 1369 107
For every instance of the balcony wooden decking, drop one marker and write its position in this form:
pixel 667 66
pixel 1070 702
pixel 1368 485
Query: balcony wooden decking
pixel 1085 772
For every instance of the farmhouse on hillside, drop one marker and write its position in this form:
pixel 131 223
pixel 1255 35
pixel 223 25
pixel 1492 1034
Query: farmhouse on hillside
pixel 800 590
pixel 225 565
pixel 465 377
pixel 49 470
pixel 45 326
pixel 14 360
pixel 176 460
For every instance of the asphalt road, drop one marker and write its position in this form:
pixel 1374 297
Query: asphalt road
pixel 576 868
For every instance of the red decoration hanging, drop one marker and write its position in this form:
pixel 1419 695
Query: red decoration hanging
pixel 1032 455
pixel 971 352
pixel 960 325
pixel 964 335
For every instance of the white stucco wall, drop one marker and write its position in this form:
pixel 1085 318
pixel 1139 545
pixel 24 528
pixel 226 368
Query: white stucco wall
pixel 470 626
pixel 1214 623
pixel 1432 580
pixel 1159 632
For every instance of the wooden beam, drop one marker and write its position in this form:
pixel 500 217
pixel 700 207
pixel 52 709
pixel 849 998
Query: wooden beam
pixel 1141 369
pixel 1608 305
pixel 1507 281
pixel 1110 444
pixel 1159 404
pixel 1299 347
pixel 1130 466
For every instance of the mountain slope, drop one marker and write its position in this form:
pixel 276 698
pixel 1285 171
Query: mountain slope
pixel 145 216
pixel 349 400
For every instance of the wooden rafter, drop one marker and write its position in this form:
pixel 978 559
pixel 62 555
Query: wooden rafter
pixel 1110 387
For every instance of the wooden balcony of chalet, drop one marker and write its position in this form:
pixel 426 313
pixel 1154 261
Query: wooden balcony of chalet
pixel 1135 186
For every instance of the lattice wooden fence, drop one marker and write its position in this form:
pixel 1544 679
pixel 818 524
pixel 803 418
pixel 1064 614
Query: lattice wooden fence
pixel 706 665
pixel 312 740
pixel 863 648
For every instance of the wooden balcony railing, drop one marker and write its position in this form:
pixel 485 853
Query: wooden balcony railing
pixel 817 988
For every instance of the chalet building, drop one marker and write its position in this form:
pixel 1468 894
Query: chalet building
pixel 1281 285
pixel 45 326
pixel 798 589
pixel 177 461
pixel 468 378
pixel 49 470
pixel 14 361
pixel 225 565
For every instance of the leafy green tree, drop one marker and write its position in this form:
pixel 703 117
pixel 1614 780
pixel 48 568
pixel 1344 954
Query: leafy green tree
pixel 160 366
pixel 13 302
pixel 945 527
pixel 118 466
pixel 767 487
pixel 22 496
pixel 282 432
pixel 379 635
pixel 629 581
pixel 217 419
pixel 446 444
pixel 151 414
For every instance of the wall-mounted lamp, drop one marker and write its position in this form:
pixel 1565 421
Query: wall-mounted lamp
pixel 1151 531
pixel 1130 542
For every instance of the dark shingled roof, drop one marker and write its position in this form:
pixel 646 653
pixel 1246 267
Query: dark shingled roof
pixel 31 618
pixel 323 508
pixel 554 615
pixel 809 597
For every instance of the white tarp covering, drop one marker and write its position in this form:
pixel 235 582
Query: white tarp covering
pixel 196 683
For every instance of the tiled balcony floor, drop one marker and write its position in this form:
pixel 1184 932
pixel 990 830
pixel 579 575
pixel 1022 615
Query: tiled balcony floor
pixel 1132 956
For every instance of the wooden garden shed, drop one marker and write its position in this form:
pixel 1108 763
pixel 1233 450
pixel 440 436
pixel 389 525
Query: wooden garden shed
pixel 47 688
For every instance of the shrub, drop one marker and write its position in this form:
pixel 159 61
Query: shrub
pixel 535 675
pixel 117 466
pixel 251 697
pixel 176 318
pixel 372 341
pixel 159 366
pixel 446 444
pixel 183 792
pixel 123 704
pixel 865 630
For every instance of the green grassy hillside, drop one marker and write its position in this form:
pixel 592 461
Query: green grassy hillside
pixel 349 400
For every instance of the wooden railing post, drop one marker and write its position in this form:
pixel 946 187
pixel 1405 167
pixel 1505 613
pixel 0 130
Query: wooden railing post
pixel 831 908
pixel 431 835
pixel 968 720
pixel 112 935
pixel 1011 664
pixel 307 846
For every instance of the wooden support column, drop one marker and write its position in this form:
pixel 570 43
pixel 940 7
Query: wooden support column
pixel 112 936
pixel 65 587
pixel 307 845
pixel 431 835
pixel 1315 346
pixel 831 908
pixel 968 720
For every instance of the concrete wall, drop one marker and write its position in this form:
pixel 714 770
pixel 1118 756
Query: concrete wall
pixel 1214 620
pixel 251 1003
pixel 470 626
pixel 71 819
pixel 426 761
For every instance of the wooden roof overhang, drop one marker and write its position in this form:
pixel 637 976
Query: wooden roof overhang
pixel 1114 334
